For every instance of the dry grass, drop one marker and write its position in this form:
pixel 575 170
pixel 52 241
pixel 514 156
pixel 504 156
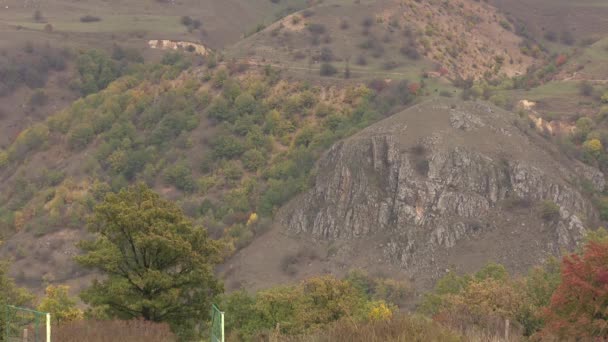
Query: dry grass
pixel 113 331
pixel 399 329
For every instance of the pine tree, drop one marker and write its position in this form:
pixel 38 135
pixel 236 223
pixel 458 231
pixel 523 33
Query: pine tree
pixel 158 266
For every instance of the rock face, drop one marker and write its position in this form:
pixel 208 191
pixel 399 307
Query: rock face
pixel 440 176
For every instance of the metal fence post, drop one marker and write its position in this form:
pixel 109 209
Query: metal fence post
pixel 48 327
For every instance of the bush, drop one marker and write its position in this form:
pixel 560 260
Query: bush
pixel 410 52
pixel 328 69
pixel 38 98
pixel 180 175
pixel 551 36
pixel 567 38
pixel 361 60
pixel 227 146
pixel 89 19
pixel 316 29
pixel 253 160
pixel 38 17
pixel 191 24
pixel 585 88
pixel 80 136
pixel 549 211
pixel 326 54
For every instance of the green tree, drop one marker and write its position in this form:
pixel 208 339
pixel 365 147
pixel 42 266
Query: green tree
pixel 158 266
pixel 10 294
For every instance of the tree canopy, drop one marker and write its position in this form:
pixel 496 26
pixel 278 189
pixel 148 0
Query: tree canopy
pixel 158 265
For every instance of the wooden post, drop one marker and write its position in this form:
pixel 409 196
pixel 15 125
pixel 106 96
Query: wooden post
pixel 25 339
pixel 507 324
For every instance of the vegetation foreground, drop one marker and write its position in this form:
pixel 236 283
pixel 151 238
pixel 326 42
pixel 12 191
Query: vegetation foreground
pixel 158 285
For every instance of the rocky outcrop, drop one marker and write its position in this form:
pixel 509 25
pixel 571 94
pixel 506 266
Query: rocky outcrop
pixel 425 180
pixel 165 44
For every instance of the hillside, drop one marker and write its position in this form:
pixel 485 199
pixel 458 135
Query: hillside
pixel 398 39
pixel 219 23
pixel 567 22
pixel 444 185
pixel 48 37
pixel 223 144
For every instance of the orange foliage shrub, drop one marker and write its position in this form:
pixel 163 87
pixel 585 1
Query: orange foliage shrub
pixel 561 60
pixel 579 306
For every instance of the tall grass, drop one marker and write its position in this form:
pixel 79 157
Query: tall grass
pixel 398 329
pixel 113 331
pixel 402 328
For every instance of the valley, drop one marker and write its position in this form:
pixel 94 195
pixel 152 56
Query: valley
pixel 376 164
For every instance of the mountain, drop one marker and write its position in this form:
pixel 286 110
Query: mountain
pixel 444 185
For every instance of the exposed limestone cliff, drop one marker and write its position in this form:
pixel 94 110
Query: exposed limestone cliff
pixel 421 183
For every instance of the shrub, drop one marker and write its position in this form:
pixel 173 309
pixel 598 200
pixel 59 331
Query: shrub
pixel 573 312
pixel 585 88
pixel 316 29
pixel 89 19
pixel 549 211
pixel 327 69
pixel 39 98
pixel 227 146
pixel 232 172
pixel 567 38
pixel 367 22
pixel 410 52
pixel 361 60
pixel 80 136
pixel 307 13
pixel 326 54
pixel 186 20
pixel 253 160
pixel 28 140
pixel 38 17
pixel 551 36
pixel 180 175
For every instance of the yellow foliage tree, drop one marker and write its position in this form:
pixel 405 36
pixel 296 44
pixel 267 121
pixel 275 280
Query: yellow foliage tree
pixel 253 218
pixel 58 303
pixel 490 297
pixel 379 311
pixel 593 146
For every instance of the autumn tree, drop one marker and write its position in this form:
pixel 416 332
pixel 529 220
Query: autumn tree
pixel 158 265
pixel 59 304
pixel 579 306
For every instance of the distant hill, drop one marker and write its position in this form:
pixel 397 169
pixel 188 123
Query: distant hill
pixel 394 38
pixel 568 22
